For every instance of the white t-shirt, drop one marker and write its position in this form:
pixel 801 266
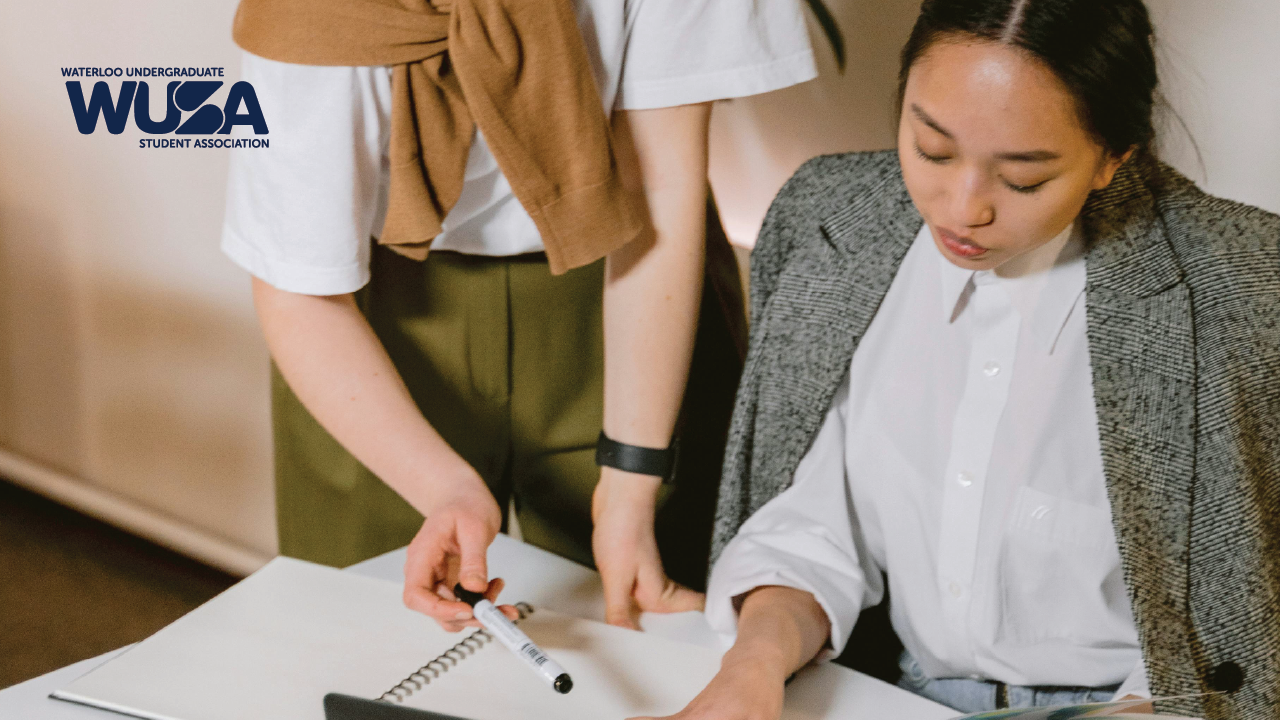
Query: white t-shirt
pixel 300 213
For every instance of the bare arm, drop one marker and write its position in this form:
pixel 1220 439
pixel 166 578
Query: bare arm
pixel 653 285
pixel 653 288
pixel 779 631
pixel 334 363
pixel 327 352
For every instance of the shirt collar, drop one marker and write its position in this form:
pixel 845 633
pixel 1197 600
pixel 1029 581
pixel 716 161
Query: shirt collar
pixel 1044 284
pixel 957 283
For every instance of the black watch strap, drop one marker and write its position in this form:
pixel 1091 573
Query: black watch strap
pixel 636 459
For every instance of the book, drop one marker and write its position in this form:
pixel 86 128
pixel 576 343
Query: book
pixel 275 644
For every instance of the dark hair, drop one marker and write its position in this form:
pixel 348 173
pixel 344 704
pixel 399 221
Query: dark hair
pixel 1100 49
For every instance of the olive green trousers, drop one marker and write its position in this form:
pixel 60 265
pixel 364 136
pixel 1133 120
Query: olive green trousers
pixel 505 361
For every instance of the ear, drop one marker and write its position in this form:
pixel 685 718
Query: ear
pixel 1110 164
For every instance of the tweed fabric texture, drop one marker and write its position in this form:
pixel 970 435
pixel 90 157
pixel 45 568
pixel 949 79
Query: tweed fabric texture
pixel 1183 316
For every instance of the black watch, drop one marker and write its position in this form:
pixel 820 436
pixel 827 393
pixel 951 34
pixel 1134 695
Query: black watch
pixel 636 459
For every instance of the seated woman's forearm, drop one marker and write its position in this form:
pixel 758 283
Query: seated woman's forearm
pixel 779 631
pixel 780 628
pixel 335 364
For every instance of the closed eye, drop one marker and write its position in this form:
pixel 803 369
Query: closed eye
pixel 1026 189
pixel 931 158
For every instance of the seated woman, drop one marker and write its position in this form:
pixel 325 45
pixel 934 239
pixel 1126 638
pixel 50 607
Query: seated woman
pixel 1026 372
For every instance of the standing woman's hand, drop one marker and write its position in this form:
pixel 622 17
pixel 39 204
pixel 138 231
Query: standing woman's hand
pixel 626 552
pixel 338 368
pixel 451 548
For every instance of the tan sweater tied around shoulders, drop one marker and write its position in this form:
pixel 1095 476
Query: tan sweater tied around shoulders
pixel 517 69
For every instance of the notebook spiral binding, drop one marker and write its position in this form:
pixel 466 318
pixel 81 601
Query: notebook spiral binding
pixel 423 676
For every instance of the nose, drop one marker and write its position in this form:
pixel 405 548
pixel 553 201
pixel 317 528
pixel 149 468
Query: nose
pixel 971 204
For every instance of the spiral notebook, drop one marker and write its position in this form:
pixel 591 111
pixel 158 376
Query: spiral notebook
pixel 275 644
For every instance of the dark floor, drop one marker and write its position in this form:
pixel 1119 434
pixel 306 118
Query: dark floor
pixel 72 587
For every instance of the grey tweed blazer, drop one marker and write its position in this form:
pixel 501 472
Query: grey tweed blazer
pixel 1183 308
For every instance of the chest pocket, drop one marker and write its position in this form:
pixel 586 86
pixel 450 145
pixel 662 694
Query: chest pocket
pixel 1060 521
pixel 1059 573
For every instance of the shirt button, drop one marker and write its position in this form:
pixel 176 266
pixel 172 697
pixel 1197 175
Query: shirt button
pixel 991 369
pixel 956 589
pixel 965 479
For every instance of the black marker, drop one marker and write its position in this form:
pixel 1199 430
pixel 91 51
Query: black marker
pixel 492 619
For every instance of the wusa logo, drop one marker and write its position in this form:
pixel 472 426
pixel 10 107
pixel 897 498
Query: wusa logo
pixel 240 107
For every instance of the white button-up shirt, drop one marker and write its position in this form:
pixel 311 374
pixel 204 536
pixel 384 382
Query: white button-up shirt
pixel 961 460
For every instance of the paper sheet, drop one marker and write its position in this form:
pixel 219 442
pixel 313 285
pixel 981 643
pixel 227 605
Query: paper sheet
pixel 274 644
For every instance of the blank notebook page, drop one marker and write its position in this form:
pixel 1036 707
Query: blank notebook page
pixel 616 673
pixel 273 645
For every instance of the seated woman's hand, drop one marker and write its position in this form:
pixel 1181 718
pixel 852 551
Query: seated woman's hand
pixel 744 689
pixel 780 629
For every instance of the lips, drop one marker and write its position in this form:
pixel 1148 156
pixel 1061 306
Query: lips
pixel 963 247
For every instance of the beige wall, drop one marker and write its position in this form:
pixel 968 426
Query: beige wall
pixel 758 142
pixel 132 376
pixel 1218 61
pixel 129 358
pixel 1221 69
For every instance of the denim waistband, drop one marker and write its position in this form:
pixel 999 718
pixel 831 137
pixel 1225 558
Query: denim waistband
pixel 969 695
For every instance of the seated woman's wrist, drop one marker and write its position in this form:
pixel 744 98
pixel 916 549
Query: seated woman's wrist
pixel 762 660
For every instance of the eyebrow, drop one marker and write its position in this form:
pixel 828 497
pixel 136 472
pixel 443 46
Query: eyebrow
pixel 1030 156
pixel 924 118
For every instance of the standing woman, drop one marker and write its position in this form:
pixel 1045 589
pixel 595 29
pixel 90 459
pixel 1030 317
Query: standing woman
pixel 551 157
pixel 1021 376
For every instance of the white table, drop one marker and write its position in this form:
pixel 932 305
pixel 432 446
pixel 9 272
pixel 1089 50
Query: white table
pixel 543 579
